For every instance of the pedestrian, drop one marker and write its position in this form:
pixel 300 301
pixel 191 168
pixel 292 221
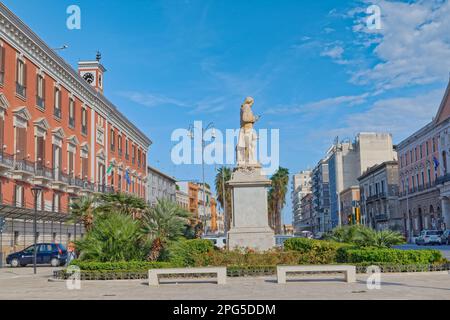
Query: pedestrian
pixel 71 254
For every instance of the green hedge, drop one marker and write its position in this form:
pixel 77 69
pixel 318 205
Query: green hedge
pixel 314 251
pixel 119 266
pixel 189 252
pixel 394 256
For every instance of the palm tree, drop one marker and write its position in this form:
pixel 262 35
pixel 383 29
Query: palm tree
pixel 114 237
pixel 277 197
pixel 380 239
pixel 83 209
pixel 164 222
pixel 224 194
pixel 121 202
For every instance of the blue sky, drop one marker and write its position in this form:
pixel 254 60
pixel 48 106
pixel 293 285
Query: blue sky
pixel 314 68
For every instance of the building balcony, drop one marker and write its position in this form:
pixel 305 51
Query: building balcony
pixel 86 187
pixel 74 185
pixel 23 169
pixel 443 179
pixel 21 90
pixel 60 180
pixel 43 175
pixel 101 188
pixel 381 217
pixel 40 102
pixel 6 161
pixel 57 112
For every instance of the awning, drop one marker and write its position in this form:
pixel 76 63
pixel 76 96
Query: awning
pixel 11 212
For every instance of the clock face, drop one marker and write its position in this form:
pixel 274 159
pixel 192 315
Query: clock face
pixel 89 77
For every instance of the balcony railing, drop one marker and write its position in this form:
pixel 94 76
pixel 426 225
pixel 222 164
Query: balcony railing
pixel 60 177
pixel 6 159
pixel 381 217
pixel 42 171
pixel 21 90
pixel 24 165
pixel 40 102
pixel 57 112
pixel 443 179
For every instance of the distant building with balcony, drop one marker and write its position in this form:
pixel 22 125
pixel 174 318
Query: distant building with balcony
pixel 58 131
pixel 349 159
pixel 306 221
pixel 424 174
pixel 379 197
pixel 320 220
pixel 160 186
pixel 301 185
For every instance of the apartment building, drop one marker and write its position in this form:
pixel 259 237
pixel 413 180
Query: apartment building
pixel 59 132
pixel 160 186
pixel 301 185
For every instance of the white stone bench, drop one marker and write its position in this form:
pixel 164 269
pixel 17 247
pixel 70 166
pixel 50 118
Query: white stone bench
pixel 221 273
pixel 349 271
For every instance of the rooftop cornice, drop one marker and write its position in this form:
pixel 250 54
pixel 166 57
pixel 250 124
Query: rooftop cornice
pixel 20 36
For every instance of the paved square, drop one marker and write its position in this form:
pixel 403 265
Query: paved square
pixel 22 284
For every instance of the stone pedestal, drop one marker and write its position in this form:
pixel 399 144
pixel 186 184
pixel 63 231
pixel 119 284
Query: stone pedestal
pixel 249 225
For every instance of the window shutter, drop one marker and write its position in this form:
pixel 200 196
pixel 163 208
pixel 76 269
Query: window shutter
pixel 25 75
pixel 17 70
pixel 2 59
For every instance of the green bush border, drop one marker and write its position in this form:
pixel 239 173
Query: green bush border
pixel 243 271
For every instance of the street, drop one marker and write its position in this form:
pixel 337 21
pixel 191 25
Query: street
pixel 444 249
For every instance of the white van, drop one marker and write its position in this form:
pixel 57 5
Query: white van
pixel 219 242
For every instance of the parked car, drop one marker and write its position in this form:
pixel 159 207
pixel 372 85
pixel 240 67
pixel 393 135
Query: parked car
pixel 429 237
pixel 445 237
pixel 54 254
pixel 306 234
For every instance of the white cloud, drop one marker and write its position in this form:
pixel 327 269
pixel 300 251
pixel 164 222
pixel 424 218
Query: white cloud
pixel 412 46
pixel 151 99
pixel 319 106
pixel 400 116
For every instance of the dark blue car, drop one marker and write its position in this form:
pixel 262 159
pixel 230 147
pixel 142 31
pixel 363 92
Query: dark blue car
pixel 54 254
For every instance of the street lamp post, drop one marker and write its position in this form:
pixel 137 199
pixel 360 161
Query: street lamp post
pixel 35 190
pixel 191 133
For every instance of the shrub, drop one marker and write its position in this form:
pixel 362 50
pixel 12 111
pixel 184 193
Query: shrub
pixel 395 256
pixel 113 237
pixel 189 252
pixel 366 237
pixel 314 251
pixel 119 266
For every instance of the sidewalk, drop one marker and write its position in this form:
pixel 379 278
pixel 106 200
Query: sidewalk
pixel 22 284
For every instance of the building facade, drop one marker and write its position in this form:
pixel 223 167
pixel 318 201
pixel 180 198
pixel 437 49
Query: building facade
pixel 379 197
pixel 182 199
pixel 160 186
pixel 57 131
pixel 321 220
pixel 301 185
pixel 348 160
pixel 350 206
pixel 306 221
pixel 423 174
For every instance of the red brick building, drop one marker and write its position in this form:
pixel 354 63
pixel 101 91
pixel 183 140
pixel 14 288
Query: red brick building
pixel 59 131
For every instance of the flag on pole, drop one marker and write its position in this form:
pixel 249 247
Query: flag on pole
pixel 109 170
pixel 436 163
pixel 127 177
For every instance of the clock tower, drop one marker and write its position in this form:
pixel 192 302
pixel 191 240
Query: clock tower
pixel 92 72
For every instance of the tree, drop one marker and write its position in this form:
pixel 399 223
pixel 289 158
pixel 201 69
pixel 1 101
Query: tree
pixel 83 209
pixel 121 202
pixel 366 237
pixel 162 223
pixel 277 197
pixel 114 237
pixel 224 194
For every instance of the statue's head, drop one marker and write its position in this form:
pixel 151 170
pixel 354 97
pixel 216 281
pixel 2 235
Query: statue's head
pixel 249 100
